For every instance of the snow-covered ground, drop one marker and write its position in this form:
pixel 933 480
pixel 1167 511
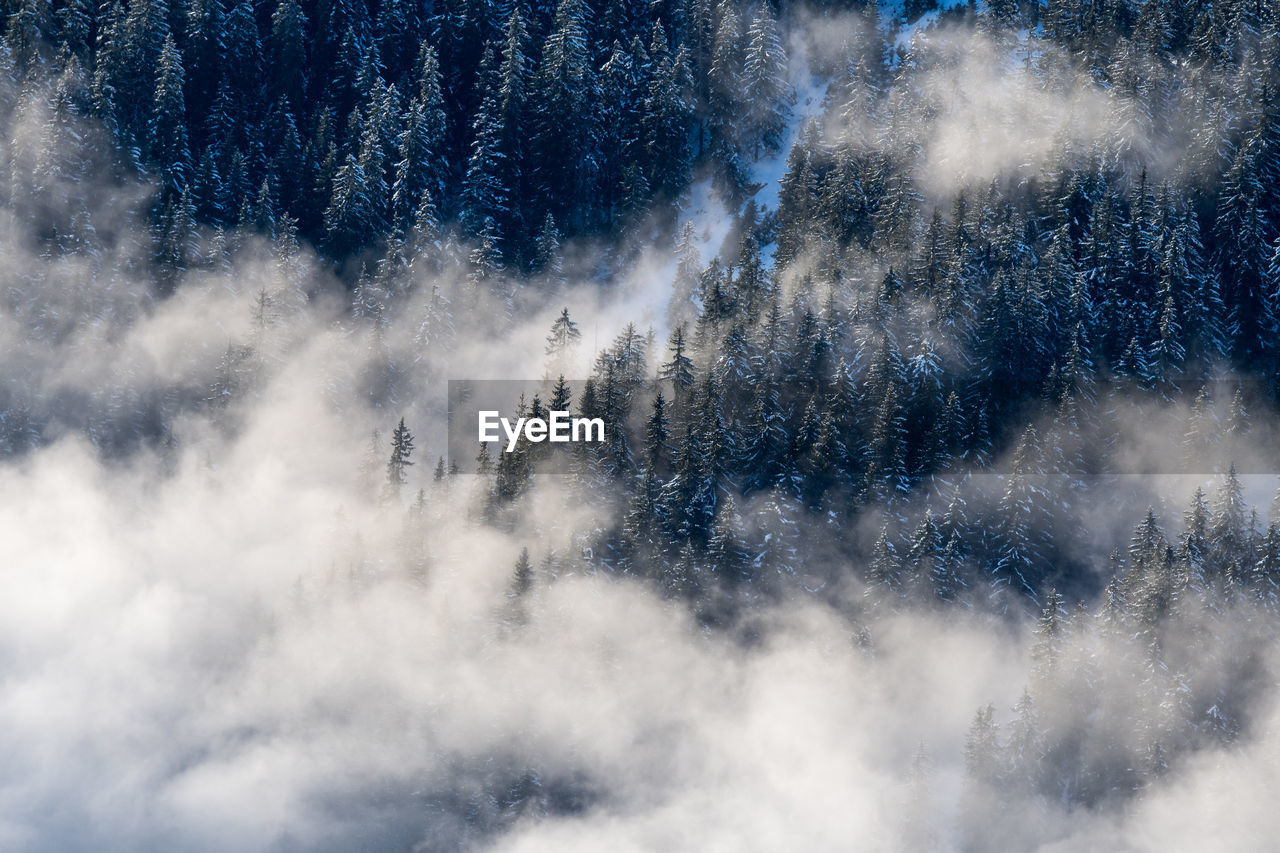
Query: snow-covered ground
pixel 708 212
pixel 646 291
pixel 892 11
pixel 810 92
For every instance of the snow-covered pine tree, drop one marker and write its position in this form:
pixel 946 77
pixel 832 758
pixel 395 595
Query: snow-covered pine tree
pixel 765 90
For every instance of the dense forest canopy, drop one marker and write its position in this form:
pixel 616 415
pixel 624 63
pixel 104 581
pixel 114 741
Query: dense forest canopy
pixel 940 349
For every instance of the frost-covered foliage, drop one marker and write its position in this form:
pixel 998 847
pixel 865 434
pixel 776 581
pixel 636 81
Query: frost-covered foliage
pixel 881 453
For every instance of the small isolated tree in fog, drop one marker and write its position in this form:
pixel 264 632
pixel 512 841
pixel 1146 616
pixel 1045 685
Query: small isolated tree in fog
pixel 522 575
pixel 401 450
pixel 563 337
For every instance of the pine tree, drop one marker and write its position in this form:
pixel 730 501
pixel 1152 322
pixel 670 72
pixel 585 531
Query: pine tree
pixel 750 284
pixel 621 106
pixel 778 545
pixel 130 64
pixel 1024 746
pixel 920 824
pixel 242 62
pixel 655 432
pixel 486 195
pixel 924 556
pixel 66 148
pixel 1244 256
pixel 401 451
pixel 1230 534
pixel 548 257
pixel 1266 571
pixel 884 573
pixel 884 465
pixel 518 590
pixel 425 243
pixel 522 575
pixel 495 174
pixel 679 578
pixel 667 120
pixel 764 450
pixel 679 370
pixel 177 243
pixel 350 216
pixel 1194 545
pixel 629 355
pixel 562 342
pixel 560 396
pixel 691 495
pixel 514 467
pixel 725 83
pixel 1050 639
pixel 419 165
pixel 764 87
pixel 639 542
pixel 288 57
pixel 167 129
pixel 1023 526
pixel 564 140
pixel 75 19
pixel 484 462
pixel 981 748
pixel 727 555
pixel 682 306
pixel 946 581
pixel 485 260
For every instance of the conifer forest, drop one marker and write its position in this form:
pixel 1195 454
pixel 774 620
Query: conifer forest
pixel 936 352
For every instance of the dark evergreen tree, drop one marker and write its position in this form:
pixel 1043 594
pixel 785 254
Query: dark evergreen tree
pixel 519 588
pixel 167 129
pixel 655 433
pixel 564 139
pixel 420 166
pixel 667 120
pixel 1020 559
pixel 679 369
pixel 288 54
pixel 401 451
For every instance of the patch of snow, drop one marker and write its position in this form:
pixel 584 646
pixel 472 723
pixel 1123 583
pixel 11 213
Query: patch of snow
pixel 646 290
pixel 811 91
pixel 892 10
